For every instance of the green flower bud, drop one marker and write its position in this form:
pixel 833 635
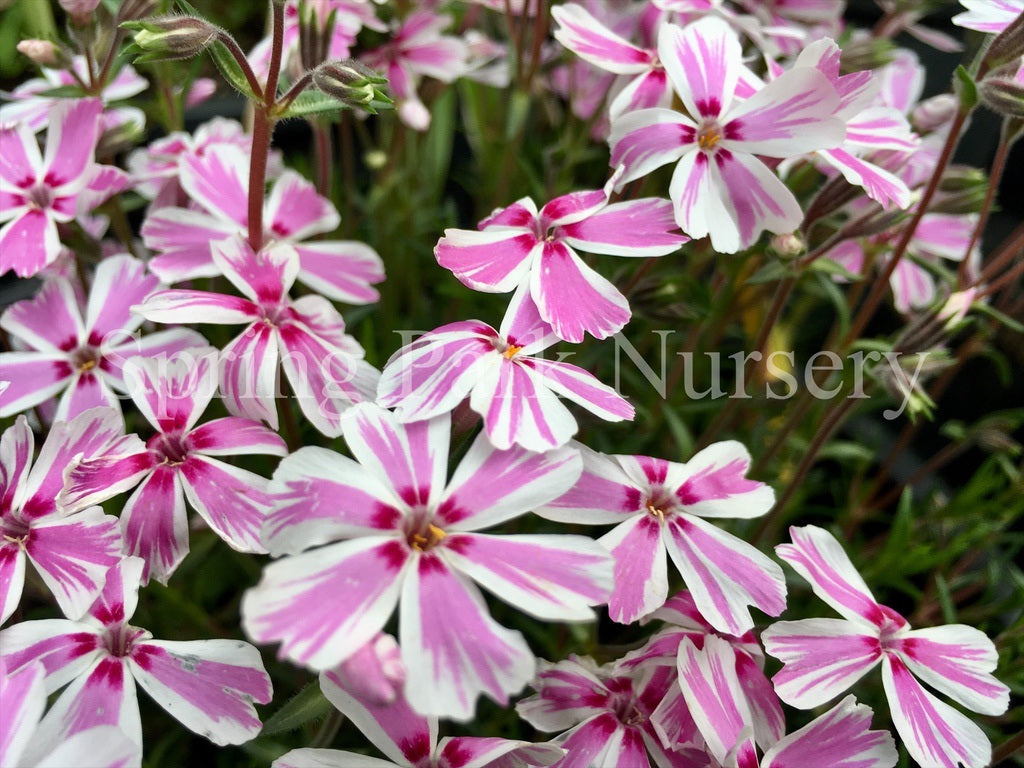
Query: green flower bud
pixel 171 37
pixel 352 82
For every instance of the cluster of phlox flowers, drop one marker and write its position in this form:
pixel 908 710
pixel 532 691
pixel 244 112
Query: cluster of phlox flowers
pixel 382 556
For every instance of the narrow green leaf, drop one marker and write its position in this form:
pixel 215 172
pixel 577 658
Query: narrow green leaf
pixel 307 705
pixel 965 88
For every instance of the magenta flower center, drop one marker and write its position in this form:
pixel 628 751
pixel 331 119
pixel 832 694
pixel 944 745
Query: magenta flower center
pixel 421 532
pixel 40 196
pixel 709 134
pixel 660 503
pixel 14 530
pixel 623 703
pixel 170 447
pixel 121 638
pixel 85 358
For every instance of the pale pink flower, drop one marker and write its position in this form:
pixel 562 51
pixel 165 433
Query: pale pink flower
pixel 411 538
pixel 305 336
pixel 824 657
pixel 595 43
pixel 720 188
pixel 217 180
pixel 21 745
pixel 840 738
pixel 606 715
pixel 416 49
pixel 59 351
pixel 515 392
pixel 27 104
pixel 39 191
pixel 71 552
pixel 209 686
pixel 178 463
pixel 410 739
pixel 659 506
pixel 519 244
pixel 992 16
pixel 374 673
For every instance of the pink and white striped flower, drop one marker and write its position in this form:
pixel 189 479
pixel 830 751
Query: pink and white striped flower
pixel 520 244
pixel 841 738
pixel 606 715
pixel 720 187
pixel 684 622
pixel 71 552
pixel 416 49
pixel 59 351
pixel 410 739
pixel 217 181
pixel 27 103
pixel 824 657
pixel 24 698
pixel 410 538
pixel 659 506
pixel 207 685
pixel 38 192
pixel 305 336
pixel 991 16
pixel 595 43
pixel 515 392
pixel 178 463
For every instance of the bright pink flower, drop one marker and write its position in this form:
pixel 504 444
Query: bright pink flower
pixel 27 104
pixel 38 192
pixel 660 506
pixel 992 16
pixel 418 48
pixel 516 393
pixel 410 739
pixel 61 352
pixel 177 463
pixel 684 622
pixel 207 685
pixel 520 244
pixel 21 744
pixel 824 657
pixel 720 187
pixel 217 180
pixel 607 715
pixel 841 738
pixel 306 336
pixel 412 538
pixel 595 43
pixel 71 552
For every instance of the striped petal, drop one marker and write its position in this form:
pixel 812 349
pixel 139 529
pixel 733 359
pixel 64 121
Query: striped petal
pixel 641 572
pixel 494 261
pixel 232 501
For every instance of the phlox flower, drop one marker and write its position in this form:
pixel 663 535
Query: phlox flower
pixel 418 48
pixel 410 740
pixel 520 244
pixel 605 715
pixel 516 393
pixel 178 463
pixel 71 552
pixel 209 686
pixel 824 657
pixel 840 738
pixel 410 540
pixel 306 336
pixel 661 506
pixel 682 621
pixel 594 42
pixel 720 187
pixel 27 103
pixel 24 697
pixel 59 351
pixel 991 16
pixel 39 191
pixel 217 181
pixel 938 237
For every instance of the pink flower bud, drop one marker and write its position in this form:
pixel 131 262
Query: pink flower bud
pixel 42 52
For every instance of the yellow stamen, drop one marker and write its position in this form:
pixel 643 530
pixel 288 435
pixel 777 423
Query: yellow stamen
pixel 709 139
pixel 88 365
pixel 511 351
pixel 658 513
pixel 424 542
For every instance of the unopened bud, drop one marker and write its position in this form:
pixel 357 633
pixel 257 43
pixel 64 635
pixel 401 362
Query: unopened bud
pixel 172 37
pixel 132 10
pixel 788 246
pixel 933 113
pixel 1003 90
pixel 80 11
pixel 962 190
pixel 956 307
pixel 1008 44
pixel 866 53
pixel 352 82
pixel 42 52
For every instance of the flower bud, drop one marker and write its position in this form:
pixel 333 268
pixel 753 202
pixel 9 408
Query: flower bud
pixel 961 191
pixel 172 36
pixel 1003 90
pixel 352 82
pixel 956 307
pixel 932 114
pixel 788 246
pixel 131 10
pixel 80 11
pixel 1008 44
pixel 42 52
